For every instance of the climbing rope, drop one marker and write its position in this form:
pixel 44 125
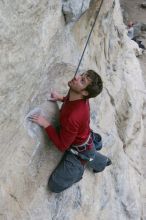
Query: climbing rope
pixel 97 13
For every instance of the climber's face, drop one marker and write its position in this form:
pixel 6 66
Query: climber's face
pixel 79 83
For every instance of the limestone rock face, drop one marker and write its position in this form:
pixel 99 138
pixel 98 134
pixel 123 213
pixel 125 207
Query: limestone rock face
pixel 143 5
pixel 39 52
pixel 73 9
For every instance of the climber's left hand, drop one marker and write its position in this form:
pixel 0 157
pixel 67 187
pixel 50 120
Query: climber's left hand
pixel 40 120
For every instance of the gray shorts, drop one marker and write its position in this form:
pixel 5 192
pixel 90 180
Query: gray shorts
pixel 70 169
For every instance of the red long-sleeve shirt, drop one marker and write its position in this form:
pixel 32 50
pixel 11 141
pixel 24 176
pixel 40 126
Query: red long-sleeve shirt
pixel 74 124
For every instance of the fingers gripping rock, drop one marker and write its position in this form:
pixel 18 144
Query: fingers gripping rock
pixel 47 109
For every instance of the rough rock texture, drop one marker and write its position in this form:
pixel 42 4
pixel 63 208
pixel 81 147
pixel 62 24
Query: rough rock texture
pixel 39 52
pixel 73 9
pixel 143 5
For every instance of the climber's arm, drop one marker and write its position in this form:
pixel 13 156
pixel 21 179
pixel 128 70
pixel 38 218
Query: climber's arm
pixel 55 96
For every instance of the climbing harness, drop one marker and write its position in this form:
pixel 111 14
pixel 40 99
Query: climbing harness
pixel 82 147
pixel 80 155
pixel 79 149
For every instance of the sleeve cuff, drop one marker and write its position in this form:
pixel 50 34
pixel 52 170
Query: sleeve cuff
pixel 48 128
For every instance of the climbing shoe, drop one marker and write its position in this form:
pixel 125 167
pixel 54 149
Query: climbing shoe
pixel 108 163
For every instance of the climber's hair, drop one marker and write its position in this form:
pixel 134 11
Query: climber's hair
pixel 96 85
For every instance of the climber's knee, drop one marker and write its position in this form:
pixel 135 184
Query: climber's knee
pixel 54 187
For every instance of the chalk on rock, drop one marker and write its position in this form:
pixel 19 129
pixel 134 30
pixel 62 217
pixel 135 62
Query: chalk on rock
pixel 49 110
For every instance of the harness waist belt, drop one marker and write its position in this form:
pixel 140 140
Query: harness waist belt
pixel 82 156
pixel 82 147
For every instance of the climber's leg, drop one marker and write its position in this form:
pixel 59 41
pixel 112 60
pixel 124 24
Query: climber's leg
pixel 68 171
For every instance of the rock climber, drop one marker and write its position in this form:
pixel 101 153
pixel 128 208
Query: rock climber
pixel 74 137
pixel 134 32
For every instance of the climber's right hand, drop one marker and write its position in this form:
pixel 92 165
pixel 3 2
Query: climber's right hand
pixel 55 96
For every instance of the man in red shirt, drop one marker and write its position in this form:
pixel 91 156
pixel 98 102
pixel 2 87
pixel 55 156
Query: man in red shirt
pixel 74 137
